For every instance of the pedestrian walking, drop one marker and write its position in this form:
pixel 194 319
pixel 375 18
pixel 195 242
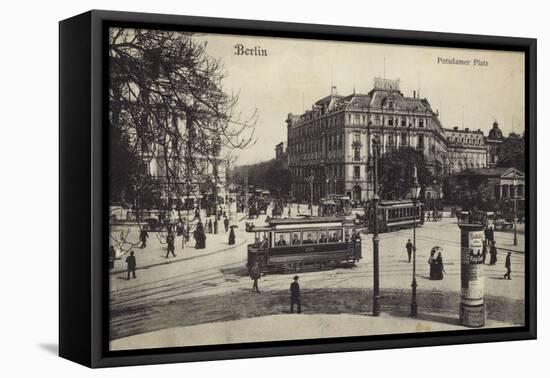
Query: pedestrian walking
pixel 131 265
pixel 255 274
pixel 226 224
pixel 170 241
pixel 484 252
pixel 200 236
pixel 295 296
pixel 143 236
pixel 491 234
pixel 209 226
pixel 231 240
pixel 431 262
pixel 493 253
pixel 439 268
pixel 409 247
pixel 112 257
pixel 508 266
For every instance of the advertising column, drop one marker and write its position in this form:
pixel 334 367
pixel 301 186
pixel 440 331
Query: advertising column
pixel 472 307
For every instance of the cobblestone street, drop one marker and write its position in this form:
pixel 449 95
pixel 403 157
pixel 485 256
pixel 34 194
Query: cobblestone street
pixel 212 285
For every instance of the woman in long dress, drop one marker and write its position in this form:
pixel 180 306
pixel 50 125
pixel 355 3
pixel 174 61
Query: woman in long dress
pixel 200 236
pixel 439 267
pixel 231 240
pixel 431 261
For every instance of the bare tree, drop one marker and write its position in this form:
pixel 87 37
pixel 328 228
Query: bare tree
pixel 167 97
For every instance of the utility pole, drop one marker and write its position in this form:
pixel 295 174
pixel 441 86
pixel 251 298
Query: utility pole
pixel 311 194
pixel 375 238
pixel 515 208
pixel 415 192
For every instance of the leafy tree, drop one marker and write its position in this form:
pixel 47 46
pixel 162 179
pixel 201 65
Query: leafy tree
pixel 272 175
pixel 512 153
pixel 395 172
pixel 278 177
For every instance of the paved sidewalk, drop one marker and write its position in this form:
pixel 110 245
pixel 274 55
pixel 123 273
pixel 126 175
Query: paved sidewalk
pixel 155 252
pixel 288 327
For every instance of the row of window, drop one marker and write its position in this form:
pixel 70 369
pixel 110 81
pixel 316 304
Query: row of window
pixel 472 141
pixel 402 213
pixel 315 127
pixel 307 237
pixel 336 171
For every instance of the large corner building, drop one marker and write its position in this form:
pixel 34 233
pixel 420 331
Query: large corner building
pixel 329 146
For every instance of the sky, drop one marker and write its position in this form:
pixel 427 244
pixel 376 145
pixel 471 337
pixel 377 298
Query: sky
pixel 298 72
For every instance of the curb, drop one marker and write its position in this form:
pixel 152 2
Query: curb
pixel 179 260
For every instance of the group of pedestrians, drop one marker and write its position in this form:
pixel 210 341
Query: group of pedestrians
pixel 437 268
pixel 435 261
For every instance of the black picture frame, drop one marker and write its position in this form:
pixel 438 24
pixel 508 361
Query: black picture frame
pixel 83 284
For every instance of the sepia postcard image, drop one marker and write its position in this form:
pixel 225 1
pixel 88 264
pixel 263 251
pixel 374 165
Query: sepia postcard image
pixel 267 189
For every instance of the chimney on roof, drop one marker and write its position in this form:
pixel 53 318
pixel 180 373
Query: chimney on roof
pixel 455 128
pixel 333 91
pixel 467 129
pixel 414 94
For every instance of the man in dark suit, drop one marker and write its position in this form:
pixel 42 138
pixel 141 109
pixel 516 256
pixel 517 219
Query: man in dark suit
pixel 508 266
pixel 143 236
pixel 295 239
pixel 226 224
pixel 131 265
pixel 295 297
pixel 409 247
pixel 170 248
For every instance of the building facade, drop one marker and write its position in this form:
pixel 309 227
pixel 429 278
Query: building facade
pixel 281 153
pixel 466 149
pixel 493 142
pixel 329 146
pixel 502 186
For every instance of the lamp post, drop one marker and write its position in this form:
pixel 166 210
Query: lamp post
pixel 514 198
pixel 375 239
pixel 215 152
pixel 415 192
pixel 310 179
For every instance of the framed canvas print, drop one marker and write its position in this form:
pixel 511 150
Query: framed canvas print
pixel 233 188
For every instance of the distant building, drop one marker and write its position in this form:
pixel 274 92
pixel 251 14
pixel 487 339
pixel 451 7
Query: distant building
pixel 206 173
pixel 281 153
pixel 501 185
pixel 466 149
pixel 493 142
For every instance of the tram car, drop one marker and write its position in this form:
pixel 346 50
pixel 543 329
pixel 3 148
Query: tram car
pixel 303 244
pixel 396 215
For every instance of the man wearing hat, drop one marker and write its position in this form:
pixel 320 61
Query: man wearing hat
pixel 508 266
pixel 295 297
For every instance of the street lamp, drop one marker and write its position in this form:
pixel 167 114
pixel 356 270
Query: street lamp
pixel 375 239
pixel 415 193
pixel 514 198
pixel 310 179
